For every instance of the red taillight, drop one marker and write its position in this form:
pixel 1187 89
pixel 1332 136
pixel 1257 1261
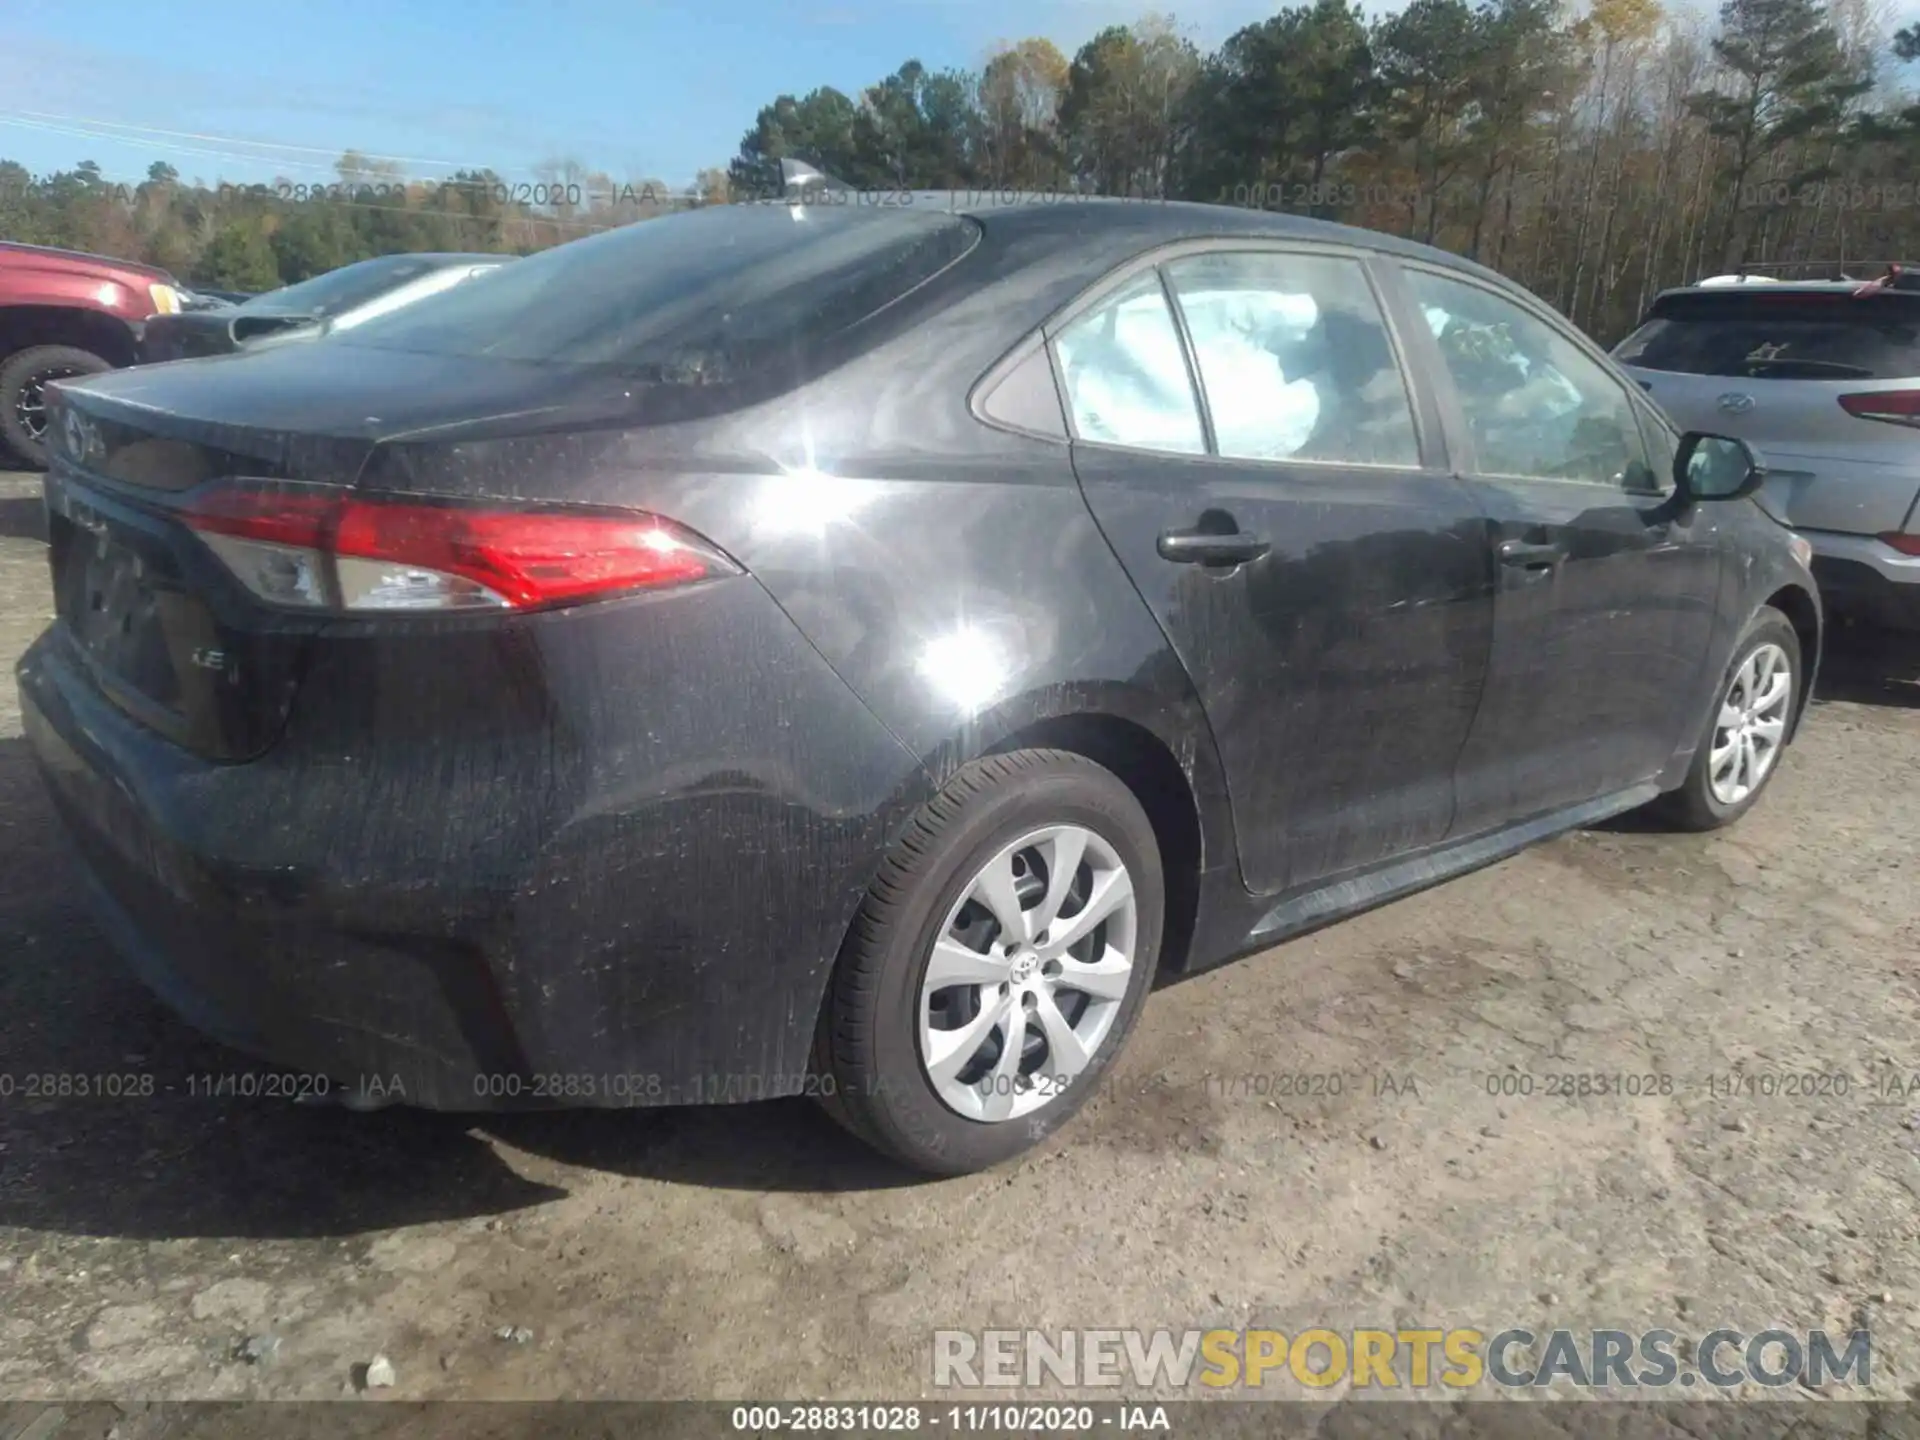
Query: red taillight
pixel 1905 544
pixel 529 559
pixel 1898 407
pixel 327 550
pixel 281 518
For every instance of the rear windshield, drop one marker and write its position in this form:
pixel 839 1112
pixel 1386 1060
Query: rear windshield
pixel 700 298
pixel 1781 337
pixel 344 288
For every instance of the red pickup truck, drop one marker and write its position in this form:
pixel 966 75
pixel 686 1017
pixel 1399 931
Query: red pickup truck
pixel 64 313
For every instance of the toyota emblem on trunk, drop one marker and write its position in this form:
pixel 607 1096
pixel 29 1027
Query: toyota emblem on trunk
pixel 83 439
pixel 1735 403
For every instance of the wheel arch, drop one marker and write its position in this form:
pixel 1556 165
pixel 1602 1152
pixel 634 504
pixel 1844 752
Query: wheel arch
pixel 26 327
pixel 1146 766
pixel 1802 610
pixel 1154 739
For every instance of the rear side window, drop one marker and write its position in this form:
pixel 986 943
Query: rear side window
pixel 702 298
pixel 1126 375
pixel 1781 337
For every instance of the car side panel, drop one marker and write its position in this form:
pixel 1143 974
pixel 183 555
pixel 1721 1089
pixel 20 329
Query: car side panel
pixel 969 602
pixel 1756 563
pixel 1594 645
pixel 1758 566
pixel 1341 671
pixel 948 570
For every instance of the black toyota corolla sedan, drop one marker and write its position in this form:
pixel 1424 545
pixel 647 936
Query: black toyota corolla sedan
pixel 851 650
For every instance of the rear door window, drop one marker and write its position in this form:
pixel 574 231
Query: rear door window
pixel 1295 359
pixel 1792 336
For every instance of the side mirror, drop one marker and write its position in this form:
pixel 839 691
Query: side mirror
pixel 1716 467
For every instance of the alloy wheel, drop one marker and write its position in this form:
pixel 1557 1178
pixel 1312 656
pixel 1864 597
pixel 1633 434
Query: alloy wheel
pixel 30 405
pixel 1751 725
pixel 1028 973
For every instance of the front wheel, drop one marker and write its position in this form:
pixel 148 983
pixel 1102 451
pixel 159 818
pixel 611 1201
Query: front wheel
pixel 1746 729
pixel 996 965
pixel 24 378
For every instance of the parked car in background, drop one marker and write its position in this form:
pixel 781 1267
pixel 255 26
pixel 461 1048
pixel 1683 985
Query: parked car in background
pixel 337 300
pixel 65 313
pixel 852 651
pixel 1822 378
pixel 204 299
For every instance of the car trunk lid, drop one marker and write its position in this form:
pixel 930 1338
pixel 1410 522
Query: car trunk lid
pixel 168 631
pixel 141 612
pixel 143 606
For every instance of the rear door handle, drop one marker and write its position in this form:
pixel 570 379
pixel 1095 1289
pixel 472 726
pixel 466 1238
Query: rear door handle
pixel 1195 547
pixel 1525 555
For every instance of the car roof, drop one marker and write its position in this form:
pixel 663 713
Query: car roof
pixel 1767 289
pixel 1751 288
pixel 1115 225
pixel 1066 212
pixel 1069 215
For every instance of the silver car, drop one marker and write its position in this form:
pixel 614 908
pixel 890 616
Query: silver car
pixel 1822 380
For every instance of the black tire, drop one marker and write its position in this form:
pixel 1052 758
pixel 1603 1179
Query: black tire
pixel 1694 806
pixel 868 1047
pixel 19 374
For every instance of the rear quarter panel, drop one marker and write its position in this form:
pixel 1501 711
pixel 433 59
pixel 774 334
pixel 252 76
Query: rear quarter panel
pixel 952 575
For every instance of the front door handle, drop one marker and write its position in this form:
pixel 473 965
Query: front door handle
pixel 1525 555
pixel 1196 547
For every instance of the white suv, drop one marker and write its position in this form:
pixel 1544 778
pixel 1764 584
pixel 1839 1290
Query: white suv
pixel 1822 379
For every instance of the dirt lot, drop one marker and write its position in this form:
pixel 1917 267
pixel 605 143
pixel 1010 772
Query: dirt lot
pixel 757 1252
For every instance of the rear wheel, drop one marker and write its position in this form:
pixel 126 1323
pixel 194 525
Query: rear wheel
pixel 23 395
pixel 1746 728
pixel 996 965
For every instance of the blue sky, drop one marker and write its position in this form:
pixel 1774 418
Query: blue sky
pixel 239 91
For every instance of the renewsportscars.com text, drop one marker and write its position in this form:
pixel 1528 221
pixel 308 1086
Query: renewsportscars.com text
pixel 1400 1358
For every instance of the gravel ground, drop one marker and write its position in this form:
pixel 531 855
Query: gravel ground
pixel 756 1252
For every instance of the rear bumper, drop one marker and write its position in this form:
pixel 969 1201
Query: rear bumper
pixel 301 997
pixel 637 904
pixel 1866 578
